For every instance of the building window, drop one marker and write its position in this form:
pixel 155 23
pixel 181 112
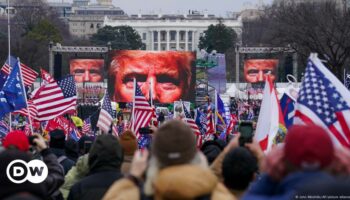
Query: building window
pixel 98 25
pixel 163 35
pixel 155 36
pixel 190 47
pixel 172 35
pixel 144 36
pixel 156 47
pixel 92 26
pixel 190 36
pixel 182 35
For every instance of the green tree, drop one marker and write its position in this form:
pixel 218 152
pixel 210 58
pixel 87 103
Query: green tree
pixel 121 37
pixel 218 37
pixel 45 31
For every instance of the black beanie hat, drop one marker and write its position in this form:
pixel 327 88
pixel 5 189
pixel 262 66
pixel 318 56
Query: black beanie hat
pixel 57 139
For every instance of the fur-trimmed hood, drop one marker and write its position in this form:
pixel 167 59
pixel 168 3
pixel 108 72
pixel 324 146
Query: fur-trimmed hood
pixel 188 182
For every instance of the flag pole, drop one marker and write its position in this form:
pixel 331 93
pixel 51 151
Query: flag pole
pixel 9 49
pixel 25 95
pixel 216 110
pixel 133 108
pixel 151 97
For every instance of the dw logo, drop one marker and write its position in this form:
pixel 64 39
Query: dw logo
pixel 35 171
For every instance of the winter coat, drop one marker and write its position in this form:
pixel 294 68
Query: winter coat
pixel 79 171
pixel 105 158
pixel 183 182
pixel 265 188
pixel 66 163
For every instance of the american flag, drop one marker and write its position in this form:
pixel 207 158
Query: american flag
pixel 323 100
pixel 55 99
pixel 210 123
pixel 232 124
pixel 347 81
pixel 190 121
pixel 32 110
pixel 28 74
pixel 47 78
pixel 105 119
pixel 143 112
pixel 86 129
pixel 115 130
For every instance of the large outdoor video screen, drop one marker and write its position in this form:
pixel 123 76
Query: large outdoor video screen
pixel 172 74
pixel 255 70
pixel 87 69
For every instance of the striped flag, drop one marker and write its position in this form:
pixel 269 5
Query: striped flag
pixel 210 122
pixel 32 110
pixel 143 112
pixel 105 119
pixel 28 74
pixel 47 78
pixel 115 130
pixel 323 100
pixel 232 124
pixel 190 121
pixel 86 129
pixel 55 99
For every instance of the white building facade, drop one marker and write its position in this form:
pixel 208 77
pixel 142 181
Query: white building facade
pixel 173 32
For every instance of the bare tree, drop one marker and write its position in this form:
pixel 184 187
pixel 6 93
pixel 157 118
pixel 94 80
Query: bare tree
pixel 313 27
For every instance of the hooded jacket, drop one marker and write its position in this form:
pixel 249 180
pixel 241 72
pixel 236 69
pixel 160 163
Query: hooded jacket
pixel 105 158
pixel 185 182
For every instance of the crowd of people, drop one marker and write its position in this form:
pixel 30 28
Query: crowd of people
pixel 307 165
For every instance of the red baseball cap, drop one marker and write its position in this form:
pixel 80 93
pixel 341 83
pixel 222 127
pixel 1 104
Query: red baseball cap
pixel 17 139
pixel 308 146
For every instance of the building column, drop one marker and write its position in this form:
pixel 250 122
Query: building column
pixel 186 40
pixel 152 40
pixel 237 64
pixel 167 40
pixel 193 46
pixel 177 40
pixel 295 65
pixel 158 40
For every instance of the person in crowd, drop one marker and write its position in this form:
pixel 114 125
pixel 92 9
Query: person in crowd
pixel 71 150
pixel 307 153
pixel 239 169
pixel 57 146
pixel 75 174
pixel 84 144
pixel 10 189
pixel 128 142
pixel 17 142
pixel 161 118
pixel 87 70
pixel 212 148
pixel 237 166
pixel 256 69
pixel 169 72
pixel 176 170
pixel 104 161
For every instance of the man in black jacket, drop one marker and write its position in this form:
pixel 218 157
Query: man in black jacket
pixel 57 146
pixel 105 159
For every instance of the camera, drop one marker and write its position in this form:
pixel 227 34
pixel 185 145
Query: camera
pixel 246 130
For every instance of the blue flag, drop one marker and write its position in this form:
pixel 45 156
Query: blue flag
pixel 3 78
pixel 221 110
pixel 13 89
pixel 4 105
pixel 288 109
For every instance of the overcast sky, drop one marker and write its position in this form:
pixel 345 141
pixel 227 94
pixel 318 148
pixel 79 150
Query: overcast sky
pixel 217 7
